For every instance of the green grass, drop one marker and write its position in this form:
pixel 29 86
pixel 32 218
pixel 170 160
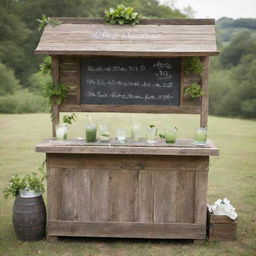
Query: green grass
pixel 232 175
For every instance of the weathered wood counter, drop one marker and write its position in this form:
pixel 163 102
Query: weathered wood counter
pixel 135 191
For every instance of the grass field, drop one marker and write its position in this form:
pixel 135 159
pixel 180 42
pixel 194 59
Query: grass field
pixel 232 175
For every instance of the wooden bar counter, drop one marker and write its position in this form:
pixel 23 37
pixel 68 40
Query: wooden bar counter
pixel 132 191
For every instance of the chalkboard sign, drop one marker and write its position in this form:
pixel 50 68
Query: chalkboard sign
pixel 130 81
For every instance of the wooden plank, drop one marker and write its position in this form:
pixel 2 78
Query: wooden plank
pixel 188 109
pixel 99 195
pixel 127 229
pixel 54 188
pixel 71 99
pixel 201 181
pixel 67 199
pixel 130 162
pixel 204 109
pixel 222 232
pixel 185 195
pixel 71 20
pixel 165 197
pixel 126 150
pixel 81 194
pixel 55 107
pixel 146 196
pixel 123 195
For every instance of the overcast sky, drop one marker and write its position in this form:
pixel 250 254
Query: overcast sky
pixel 219 8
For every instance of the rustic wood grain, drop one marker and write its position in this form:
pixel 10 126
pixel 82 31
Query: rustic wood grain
pixel 165 196
pixel 67 199
pixel 187 109
pixel 171 38
pixel 55 107
pixel 82 194
pixel 185 197
pixel 50 147
pixel 201 181
pixel 127 229
pixel 204 108
pixel 123 195
pixel 146 196
pixel 53 192
pixel 128 162
pixel 99 195
pixel 163 21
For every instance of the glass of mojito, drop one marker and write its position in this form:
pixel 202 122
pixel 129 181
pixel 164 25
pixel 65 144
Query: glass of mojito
pixel 121 135
pixel 61 131
pixel 90 132
pixel 151 134
pixel 200 136
pixel 104 133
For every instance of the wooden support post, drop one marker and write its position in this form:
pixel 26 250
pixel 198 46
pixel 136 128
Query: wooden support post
pixel 55 107
pixel 204 107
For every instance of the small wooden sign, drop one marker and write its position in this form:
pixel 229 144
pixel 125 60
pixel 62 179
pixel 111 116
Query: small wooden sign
pixel 130 81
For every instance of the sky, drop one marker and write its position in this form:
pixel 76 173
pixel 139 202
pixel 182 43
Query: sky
pixel 219 8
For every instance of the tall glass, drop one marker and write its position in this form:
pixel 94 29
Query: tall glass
pixel 200 137
pixel 171 135
pixel 90 132
pixel 61 131
pixel 104 133
pixel 151 134
pixel 136 132
pixel 121 135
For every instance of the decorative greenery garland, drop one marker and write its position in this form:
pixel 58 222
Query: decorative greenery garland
pixel 122 15
pixel 56 93
pixel 46 66
pixel 47 20
pixel 194 90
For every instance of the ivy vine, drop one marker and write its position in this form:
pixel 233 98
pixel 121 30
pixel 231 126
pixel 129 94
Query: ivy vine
pixel 193 65
pixel 194 90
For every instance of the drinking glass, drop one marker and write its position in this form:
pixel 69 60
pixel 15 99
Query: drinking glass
pixel 200 136
pixel 90 132
pixel 61 131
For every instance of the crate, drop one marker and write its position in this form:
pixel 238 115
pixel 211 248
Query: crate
pixel 220 227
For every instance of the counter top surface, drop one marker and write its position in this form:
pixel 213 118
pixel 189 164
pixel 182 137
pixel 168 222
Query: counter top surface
pixel 79 146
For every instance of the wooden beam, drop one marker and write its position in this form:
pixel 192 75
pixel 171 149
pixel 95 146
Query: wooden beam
pixel 126 229
pixel 205 98
pixel 71 20
pixel 55 107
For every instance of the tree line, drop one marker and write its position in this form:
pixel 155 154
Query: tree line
pixel 232 78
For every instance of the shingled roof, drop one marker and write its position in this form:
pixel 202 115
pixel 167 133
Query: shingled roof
pixel 153 37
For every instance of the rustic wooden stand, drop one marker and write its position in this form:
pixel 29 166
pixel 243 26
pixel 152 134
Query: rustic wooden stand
pixel 135 191
pixel 122 191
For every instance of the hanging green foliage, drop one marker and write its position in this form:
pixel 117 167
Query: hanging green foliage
pixel 193 65
pixel 56 93
pixel 194 90
pixel 46 65
pixel 68 119
pixel 122 15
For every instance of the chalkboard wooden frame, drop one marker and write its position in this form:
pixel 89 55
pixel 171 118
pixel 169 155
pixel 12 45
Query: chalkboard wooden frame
pixel 128 76
pixel 72 103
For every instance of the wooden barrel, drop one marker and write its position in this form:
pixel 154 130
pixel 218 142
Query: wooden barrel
pixel 29 218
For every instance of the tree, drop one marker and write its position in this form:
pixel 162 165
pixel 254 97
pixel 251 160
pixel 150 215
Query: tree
pixel 8 83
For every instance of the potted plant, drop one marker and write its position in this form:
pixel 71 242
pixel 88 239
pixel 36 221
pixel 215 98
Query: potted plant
pixel 29 212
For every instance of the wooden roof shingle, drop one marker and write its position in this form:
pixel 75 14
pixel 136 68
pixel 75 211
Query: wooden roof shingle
pixel 153 37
